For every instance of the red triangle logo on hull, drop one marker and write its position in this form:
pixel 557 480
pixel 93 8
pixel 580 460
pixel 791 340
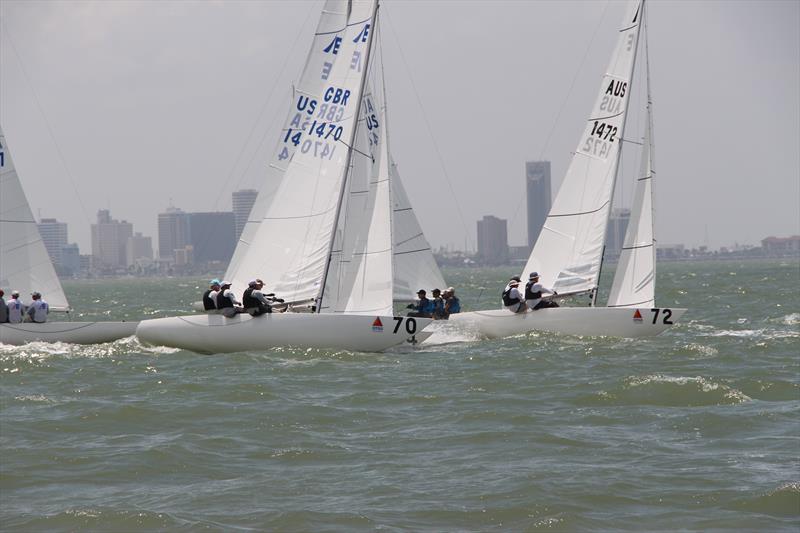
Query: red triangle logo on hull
pixel 637 316
pixel 379 324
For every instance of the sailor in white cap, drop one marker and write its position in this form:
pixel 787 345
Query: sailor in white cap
pixel 226 300
pixel 534 292
pixel 37 312
pixel 210 296
pixel 15 308
pixel 513 299
pixel 451 302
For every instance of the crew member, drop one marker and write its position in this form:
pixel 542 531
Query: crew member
pixel 534 291
pixel 451 302
pixel 37 312
pixel 254 301
pixel 423 307
pixel 438 305
pixel 15 308
pixel 226 300
pixel 3 308
pixel 513 300
pixel 210 296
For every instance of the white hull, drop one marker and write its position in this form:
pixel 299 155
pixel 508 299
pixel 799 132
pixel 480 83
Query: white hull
pixel 591 321
pixel 71 332
pixel 214 333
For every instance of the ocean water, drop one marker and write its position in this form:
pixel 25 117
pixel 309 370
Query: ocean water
pixel 698 429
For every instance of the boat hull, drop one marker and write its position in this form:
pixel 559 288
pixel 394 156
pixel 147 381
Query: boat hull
pixel 591 321
pixel 214 333
pixel 70 332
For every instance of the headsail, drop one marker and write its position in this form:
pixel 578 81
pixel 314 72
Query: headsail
pixel 569 250
pixel 414 265
pixel 289 249
pixel 24 262
pixel 635 279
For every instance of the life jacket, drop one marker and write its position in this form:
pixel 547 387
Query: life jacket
pixel 529 294
pixel 507 299
pixel 208 302
pixel 223 301
pixel 247 299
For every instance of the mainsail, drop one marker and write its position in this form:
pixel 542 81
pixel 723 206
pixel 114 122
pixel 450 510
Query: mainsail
pixel 569 250
pixel 291 246
pixel 24 263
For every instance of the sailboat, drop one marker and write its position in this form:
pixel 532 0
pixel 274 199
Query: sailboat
pixel 26 266
pixel 569 251
pixel 320 233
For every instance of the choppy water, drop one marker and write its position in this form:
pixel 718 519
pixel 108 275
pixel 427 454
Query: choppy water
pixel 698 429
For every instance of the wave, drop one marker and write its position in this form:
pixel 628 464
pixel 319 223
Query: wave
pixel 680 391
pixel 783 501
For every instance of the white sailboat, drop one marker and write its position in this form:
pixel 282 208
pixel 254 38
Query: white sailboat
pixel 25 266
pixel 320 233
pixel 569 251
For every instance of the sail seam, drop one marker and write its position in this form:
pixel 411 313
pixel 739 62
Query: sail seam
pixel 412 251
pixel 579 213
pixel 637 247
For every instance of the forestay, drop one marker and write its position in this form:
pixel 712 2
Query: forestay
pixel 569 250
pixel 635 278
pixel 291 246
pixel 24 263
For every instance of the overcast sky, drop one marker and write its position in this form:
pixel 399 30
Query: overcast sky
pixel 133 105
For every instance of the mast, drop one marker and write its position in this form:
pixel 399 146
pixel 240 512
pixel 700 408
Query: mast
pixel 349 157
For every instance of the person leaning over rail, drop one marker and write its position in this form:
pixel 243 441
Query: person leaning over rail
pixel 534 292
pixel 37 311
pixel 513 300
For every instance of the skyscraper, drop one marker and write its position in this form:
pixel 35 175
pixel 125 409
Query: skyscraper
pixel 212 236
pixel 109 238
pixel 537 178
pixel 137 248
pixel 615 236
pixel 173 232
pixel 54 236
pixel 493 240
pixel 242 204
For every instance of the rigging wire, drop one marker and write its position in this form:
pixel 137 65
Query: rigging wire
pixel 47 123
pixel 563 105
pixel 428 126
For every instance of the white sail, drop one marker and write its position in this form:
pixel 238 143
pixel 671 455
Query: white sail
pixel 569 250
pixel 291 246
pixel 24 262
pixel 414 265
pixel 635 279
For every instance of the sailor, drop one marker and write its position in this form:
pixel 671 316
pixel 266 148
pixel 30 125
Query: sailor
pixel 451 302
pixel 438 305
pixel 534 291
pixel 513 300
pixel 254 301
pixel 15 308
pixel 423 307
pixel 3 308
pixel 226 300
pixel 37 312
pixel 210 296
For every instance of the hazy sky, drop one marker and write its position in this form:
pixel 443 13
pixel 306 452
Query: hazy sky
pixel 131 105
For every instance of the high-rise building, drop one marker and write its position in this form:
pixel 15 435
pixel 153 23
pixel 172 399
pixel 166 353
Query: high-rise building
pixel 137 248
pixel 242 204
pixel 54 236
pixel 173 232
pixel 213 236
pixel 493 240
pixel 617 226
pixel 70 260
pixel 537 179
pixel 109 238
